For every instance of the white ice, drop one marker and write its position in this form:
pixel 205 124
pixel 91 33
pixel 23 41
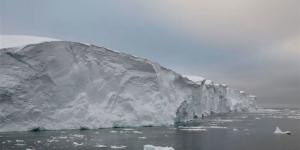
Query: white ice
pixel 278 131
pixel 152 147
pixel 67 85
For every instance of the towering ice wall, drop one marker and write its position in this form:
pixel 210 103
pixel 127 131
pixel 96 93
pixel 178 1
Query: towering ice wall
pixel 67 85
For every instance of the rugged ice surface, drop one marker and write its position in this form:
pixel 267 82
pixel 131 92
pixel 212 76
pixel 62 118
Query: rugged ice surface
pixel 67 85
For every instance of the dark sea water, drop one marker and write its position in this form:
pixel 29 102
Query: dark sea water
pixel 242 131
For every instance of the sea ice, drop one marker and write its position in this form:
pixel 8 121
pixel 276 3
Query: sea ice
pixel 152 147
pixel 118 147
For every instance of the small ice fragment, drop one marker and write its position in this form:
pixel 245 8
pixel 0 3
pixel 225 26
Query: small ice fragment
pixel 63 137
pixel 192 129
pixel 216 127
pixel 19 141
pixel 77 144
pixel 137 132
pixel 278 131
pixel 100 146
pixel 127 129
pixel 235 129
pixel 118 147
pixel 113 131
pixel 78 135
pixel 142 137
pixel 151 147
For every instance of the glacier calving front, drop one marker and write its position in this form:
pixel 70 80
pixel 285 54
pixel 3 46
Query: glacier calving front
pixel 67 85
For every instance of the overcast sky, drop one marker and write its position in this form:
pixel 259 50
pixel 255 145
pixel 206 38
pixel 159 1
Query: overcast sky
pixel 252 45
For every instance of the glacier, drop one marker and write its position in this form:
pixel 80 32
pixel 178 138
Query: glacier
pixel 68 85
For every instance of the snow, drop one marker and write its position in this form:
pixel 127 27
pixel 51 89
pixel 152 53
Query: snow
pixel 278 131
pixel 194 78
pixel 152 147
pixel 67 85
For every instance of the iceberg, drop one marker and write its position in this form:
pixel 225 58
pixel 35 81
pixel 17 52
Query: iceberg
pixel 278 131
pixel 68 85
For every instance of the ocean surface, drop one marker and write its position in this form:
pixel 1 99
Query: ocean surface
pixel 236 131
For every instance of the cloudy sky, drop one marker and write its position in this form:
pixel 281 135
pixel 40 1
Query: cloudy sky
pixel 253 45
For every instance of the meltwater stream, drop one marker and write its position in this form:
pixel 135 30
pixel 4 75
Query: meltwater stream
pixel 241 131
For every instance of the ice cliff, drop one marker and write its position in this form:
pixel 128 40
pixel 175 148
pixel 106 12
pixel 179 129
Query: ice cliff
pixel 67 85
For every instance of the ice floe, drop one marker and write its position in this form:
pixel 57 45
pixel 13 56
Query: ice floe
pixel 152 147
pixel 100 145
pixel 77 144
pixel 118 147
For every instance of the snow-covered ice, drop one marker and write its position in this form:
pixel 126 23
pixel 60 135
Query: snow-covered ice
pixel 68 85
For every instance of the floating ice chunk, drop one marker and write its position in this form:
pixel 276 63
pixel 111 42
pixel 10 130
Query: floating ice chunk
pixel 192 129
pixel 100 146
pixel 278 131
pixel 225 120
pixel 77 144
pixel 235 129
pixel 215 127
pixel 78 135
pixel 151 147
pixel 137 132
pixel 52 140
pixel 19 141
pixel 63 137
pixel 118 147
pixel 142 137
pixel 127 129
